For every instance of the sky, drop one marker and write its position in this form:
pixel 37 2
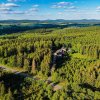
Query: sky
pixel 49 9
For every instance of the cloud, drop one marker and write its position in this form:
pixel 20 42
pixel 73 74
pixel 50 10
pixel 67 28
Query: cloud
pixel 36 5
pixel 98 9
pixel 18 12
pixel 13 12
pixel 60 13
pixel 71 10
pixel 61 5
pixel 5 9
pixel 8 5
pixel 72 7
pixel 16 0
pixel 34 8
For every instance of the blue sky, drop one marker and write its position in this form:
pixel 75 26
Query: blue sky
pixel 49 9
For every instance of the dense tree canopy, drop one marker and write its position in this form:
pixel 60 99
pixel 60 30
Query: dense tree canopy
pixel 77 73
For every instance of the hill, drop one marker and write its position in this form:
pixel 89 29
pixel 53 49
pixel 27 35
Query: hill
pixel 65 62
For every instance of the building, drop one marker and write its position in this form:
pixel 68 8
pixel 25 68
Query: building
pixel 60 52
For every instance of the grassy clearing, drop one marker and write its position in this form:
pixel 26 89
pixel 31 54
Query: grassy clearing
pixel 13 68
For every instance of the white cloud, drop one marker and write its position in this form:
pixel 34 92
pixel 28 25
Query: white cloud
pixel 72 7
pixel 98 9
pixel 71 10
pixel 9 5
pixel 18 12
pixel 13 12
pixel 36 5
pixel 33 9
pixel 15 0
pixel 61 5
pixel 60 13
pixel 5 9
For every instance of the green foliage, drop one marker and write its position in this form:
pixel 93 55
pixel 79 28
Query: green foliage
pixel 77 74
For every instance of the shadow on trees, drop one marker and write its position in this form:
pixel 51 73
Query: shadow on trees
pixel 88 86
pixel 14 82
pixel 61 61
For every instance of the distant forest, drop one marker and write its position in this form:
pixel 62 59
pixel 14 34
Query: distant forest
pixel 15 26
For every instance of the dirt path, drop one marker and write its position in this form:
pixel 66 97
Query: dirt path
pixel 54 86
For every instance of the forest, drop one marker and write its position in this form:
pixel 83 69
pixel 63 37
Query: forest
pixel 53 64
pixel 20 26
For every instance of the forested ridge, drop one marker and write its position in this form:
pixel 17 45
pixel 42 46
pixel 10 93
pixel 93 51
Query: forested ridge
pixel 22 26
pixel 76 71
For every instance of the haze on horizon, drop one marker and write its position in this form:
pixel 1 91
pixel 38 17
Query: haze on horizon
pixel 49 9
